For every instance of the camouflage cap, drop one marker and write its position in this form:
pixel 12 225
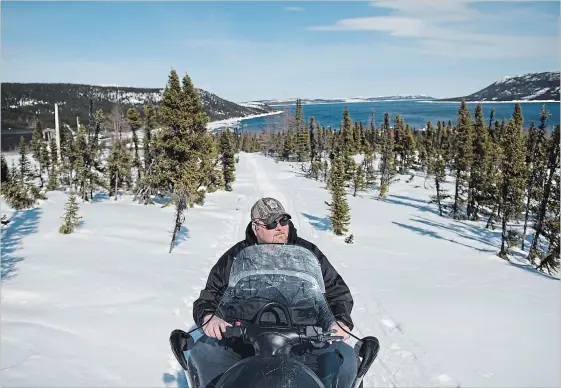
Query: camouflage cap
pixel 267 210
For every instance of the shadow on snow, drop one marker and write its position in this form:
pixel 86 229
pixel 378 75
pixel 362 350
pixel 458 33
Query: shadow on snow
pixel 317 222
pixel 23 223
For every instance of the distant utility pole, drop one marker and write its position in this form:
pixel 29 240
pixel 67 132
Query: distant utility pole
pixel 57 133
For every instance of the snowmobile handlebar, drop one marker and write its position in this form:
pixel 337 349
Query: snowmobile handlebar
pixel 274 339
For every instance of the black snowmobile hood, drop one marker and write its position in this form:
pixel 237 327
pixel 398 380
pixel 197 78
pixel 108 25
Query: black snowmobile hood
pixel 252 240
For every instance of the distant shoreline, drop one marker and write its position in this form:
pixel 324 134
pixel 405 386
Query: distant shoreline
pixel 214 125
pixel 424 101
pixel 488 102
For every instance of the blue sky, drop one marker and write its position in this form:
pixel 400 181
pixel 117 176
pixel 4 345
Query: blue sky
pixel 261 50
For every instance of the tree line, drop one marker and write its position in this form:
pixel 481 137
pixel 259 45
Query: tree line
pixel 165 153
pixel 503 174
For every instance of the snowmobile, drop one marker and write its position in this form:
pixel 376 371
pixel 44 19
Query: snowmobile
pixel 275 300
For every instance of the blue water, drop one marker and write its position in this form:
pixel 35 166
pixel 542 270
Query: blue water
pixel 415 113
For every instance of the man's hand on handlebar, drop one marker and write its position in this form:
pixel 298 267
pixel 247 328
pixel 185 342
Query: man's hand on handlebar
pixel 338 327
pixel 215 326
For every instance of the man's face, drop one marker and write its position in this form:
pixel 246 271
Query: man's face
pixel 278 235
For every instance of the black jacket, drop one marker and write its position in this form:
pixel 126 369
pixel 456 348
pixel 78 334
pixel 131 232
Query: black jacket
pixel 336 291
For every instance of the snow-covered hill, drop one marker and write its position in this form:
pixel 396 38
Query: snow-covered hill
pixel 96 308
pixel 526 87
pixel 23 103
pixel 307 101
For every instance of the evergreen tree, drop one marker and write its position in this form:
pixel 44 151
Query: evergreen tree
pixel 478 177
pixel 513 177
pixel 216 175
pixel 340 212
pixel 315 153
pixel 439 169
pixel 227 157
pixel 37 146
pixel 387 170
pixel 302 136
pixel 429 142
pixel 5 171
pixel 135 123
pixel 149 126
pixel 146 186
pixel 71 219
pixel 25 172
pixel 17 188
pixel 403 145
pixel 550 260
pixel 183 140
pixel 17 195
pixel 369 171
pixel 536 161
pixel 552 168
pixel 348 146
pixel 463 156
pixel 359 183
pixel 494 182
pixel 80 154
pixel 118 170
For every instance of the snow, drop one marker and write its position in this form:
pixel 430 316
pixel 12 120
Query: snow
pixel 537 93
pixel 95 308
pixel 234 121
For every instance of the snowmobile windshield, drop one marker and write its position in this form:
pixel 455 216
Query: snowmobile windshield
pixel 289 276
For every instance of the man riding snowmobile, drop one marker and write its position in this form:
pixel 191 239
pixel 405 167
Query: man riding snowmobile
pixel 213 353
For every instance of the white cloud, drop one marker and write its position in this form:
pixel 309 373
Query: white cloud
pixel 293 9
pixel 452 28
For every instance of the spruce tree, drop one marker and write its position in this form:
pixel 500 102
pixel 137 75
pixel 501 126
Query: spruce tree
pixel 18 196
pixel 340 211
pixel 387 170
pixel 494 182
pixel 513 177
pixel 183 140
pixel 550 259
pixel 439 169
pixel 359 183
pixel 402 145
pixel 463 157
pixel 118 169
pixel 37 146
pixel 301 134
pixel 25 172
pixel 478 177
pixel 348 146
pixel 216 175
pixel 536 161
pixel 315 153
pixel 71 219
pixel 80 166
pixel 368 168
pixel 146 187
pixel 149 126
pixel 227 158
pixel 135 123
pixel 541 216
pixel 5 171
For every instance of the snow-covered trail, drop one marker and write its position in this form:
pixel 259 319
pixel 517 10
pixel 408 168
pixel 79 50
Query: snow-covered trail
pixel 401 362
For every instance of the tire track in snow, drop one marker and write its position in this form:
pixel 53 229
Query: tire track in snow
pixel 401 361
